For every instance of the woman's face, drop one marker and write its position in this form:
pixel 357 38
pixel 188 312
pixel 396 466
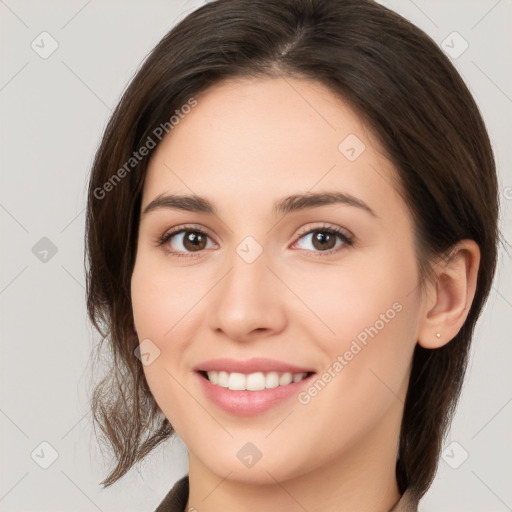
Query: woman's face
pixel 259 294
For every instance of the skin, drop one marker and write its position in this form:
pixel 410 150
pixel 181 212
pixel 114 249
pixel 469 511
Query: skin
pixel 245 145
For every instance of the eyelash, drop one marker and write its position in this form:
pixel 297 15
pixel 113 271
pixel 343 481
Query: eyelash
pixel 332 230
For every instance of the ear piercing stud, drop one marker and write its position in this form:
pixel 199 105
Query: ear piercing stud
pixel 438 335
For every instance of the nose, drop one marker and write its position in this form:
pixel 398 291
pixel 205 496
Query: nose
pixel 249 301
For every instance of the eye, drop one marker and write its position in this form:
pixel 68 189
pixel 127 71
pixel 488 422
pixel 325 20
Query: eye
pixel 324 239
pixel 185 240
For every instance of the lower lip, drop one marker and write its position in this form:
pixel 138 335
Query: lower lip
pixel 250 403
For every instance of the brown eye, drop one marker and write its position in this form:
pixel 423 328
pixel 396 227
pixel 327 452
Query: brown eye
pixel 183 241
pixel 324 240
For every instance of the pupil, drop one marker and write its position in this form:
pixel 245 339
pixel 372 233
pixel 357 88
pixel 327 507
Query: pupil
pixel 194 239
pixel 323 240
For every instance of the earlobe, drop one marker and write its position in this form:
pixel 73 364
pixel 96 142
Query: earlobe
pixel 450 295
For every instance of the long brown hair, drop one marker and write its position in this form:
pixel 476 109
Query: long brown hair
pixel 417 105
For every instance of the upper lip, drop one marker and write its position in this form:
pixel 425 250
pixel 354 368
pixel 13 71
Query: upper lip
pixel 247 366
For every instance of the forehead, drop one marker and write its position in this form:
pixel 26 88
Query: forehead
pixel 262 139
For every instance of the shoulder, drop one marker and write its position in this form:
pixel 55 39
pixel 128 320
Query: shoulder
pixel 407 503
pixel 176 498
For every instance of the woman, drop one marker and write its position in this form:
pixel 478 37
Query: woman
pixel 291 232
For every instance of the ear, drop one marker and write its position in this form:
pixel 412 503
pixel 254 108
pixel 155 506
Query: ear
pixel 449 295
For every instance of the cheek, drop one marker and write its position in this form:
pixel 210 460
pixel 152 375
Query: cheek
pixel 364 382
pixel 165 302
pixel 373 291
pixel 162 299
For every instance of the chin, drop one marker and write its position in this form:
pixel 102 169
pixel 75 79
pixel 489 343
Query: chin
pixel 266 471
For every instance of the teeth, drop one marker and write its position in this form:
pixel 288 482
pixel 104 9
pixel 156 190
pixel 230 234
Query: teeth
pixel 253 381
pixel 286 379
pixel 236 381
pixel 223 379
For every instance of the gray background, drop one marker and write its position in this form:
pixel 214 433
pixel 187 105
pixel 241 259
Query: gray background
pixel 53 112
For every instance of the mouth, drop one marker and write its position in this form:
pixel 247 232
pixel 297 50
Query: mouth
pixel 256 381
pixel 252 386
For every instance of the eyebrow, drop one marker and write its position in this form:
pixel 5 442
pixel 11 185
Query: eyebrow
pixel 284 206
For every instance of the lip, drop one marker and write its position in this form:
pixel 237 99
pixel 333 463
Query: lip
pixel 255 364
pixel 249 403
